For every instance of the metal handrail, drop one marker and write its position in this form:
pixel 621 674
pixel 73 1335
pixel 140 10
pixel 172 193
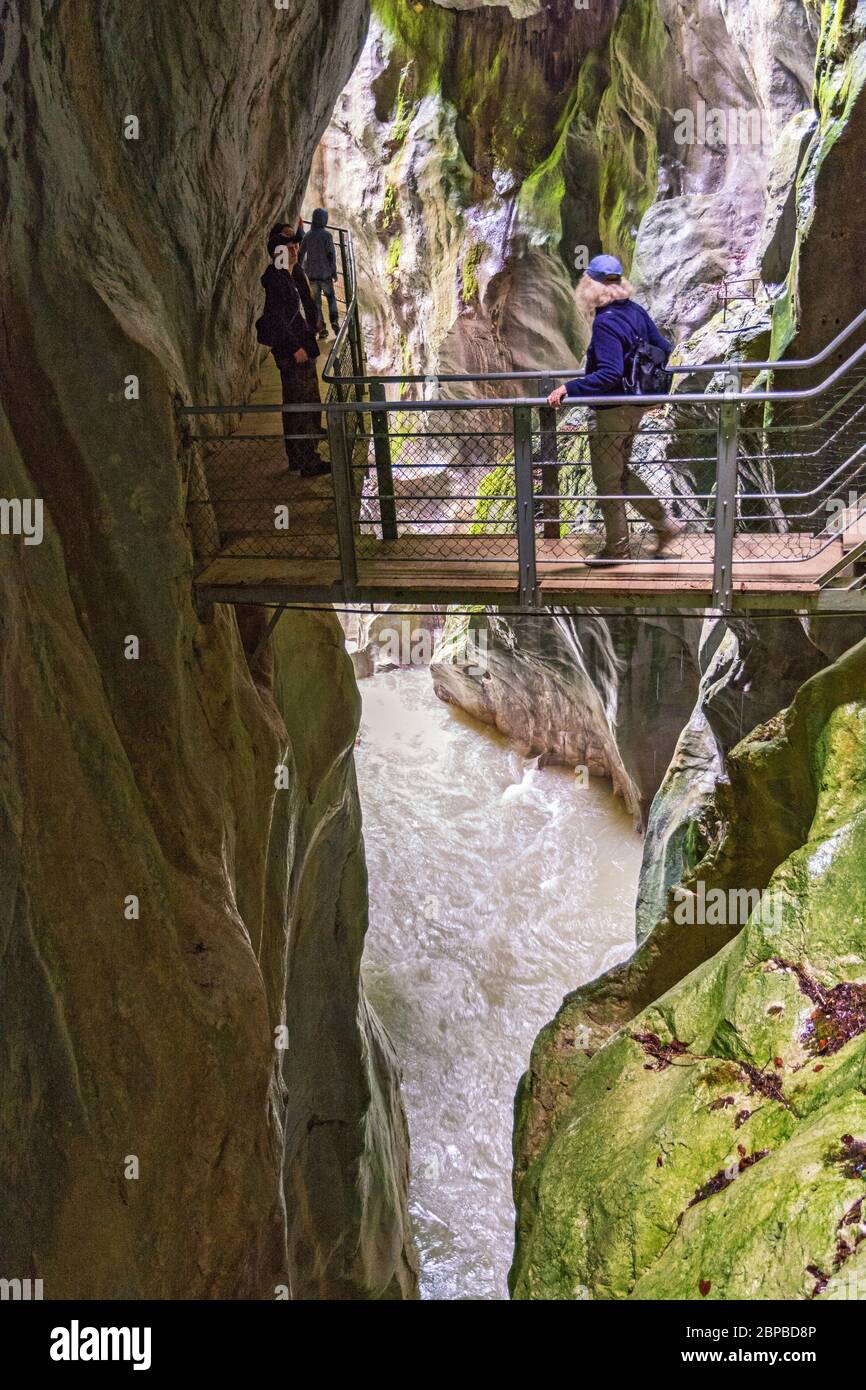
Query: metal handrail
pixel 366 398
pixel 714 398
pixel 684 369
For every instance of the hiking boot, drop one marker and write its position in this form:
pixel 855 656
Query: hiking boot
pixel 315 470
pixel 666 539
pixel 607 557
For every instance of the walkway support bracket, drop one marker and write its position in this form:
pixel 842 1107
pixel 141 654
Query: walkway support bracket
pixel 384 468
pixel 726 496
pixel 528 592
pixel 549 463
pixel 342 485
pixel 268 633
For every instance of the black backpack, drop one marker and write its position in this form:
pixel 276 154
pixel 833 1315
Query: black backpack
pixel 267 329
pixel 647 373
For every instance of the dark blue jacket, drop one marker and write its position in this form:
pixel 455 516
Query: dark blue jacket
pixel 616 331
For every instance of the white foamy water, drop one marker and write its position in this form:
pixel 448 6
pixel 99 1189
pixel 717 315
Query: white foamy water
pixel 495 888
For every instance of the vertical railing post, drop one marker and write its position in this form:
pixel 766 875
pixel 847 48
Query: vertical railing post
pixel 550 506
pixel 528 595
pixel 726 495
pixel 352 328
pixel 343 503
pixel 350 311
pixel 362 356
pixel 344 269
pixel 384 470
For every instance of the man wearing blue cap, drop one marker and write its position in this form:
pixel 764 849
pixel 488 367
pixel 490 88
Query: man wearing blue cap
pixel 618 325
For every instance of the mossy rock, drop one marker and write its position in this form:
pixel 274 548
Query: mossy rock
pixel 699 1143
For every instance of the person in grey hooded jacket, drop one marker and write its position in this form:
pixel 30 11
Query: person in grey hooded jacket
pixel 319 261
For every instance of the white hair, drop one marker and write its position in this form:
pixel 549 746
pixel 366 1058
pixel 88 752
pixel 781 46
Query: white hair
pixel 592 295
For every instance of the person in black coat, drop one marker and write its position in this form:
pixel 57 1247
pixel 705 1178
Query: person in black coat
pixel 311 314
pixel 292 316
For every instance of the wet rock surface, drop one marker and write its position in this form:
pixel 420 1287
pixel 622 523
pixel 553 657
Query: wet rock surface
pixel 700 1144
pixel 760 1025
pixel 169 906
pixel 488 145
pixel 491 145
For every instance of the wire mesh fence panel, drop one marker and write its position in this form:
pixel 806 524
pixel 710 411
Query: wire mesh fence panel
pixel 248 504
pixel 448 484
pixel 802 474
pixel 618 477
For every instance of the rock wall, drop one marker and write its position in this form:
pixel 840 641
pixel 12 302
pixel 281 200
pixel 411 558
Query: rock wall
pixel 577 690
pixel 686 1135
pixel 494 184
pixel 167 908
pixel 824 284
pixel 748 1052
pixel 747 670
pixel 476 150
pixel 472 154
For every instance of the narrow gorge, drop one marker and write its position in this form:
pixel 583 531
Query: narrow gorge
pixel 281 918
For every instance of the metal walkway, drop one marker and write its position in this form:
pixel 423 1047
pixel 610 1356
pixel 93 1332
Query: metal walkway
pixel 454 492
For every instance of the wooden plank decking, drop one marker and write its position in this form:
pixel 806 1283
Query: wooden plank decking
pixel 409 569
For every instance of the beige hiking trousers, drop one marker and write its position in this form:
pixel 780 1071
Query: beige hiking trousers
pixel 612 434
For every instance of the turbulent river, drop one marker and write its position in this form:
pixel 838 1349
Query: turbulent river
pixel 495 887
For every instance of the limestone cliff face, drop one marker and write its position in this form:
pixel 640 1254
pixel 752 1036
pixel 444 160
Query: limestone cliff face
pixel 829 224
pixel 577 690
pixel 747 670
pixel 478 152
pixel 684 1135
pixel 474 154
pixel 669 1055
pixel 166 907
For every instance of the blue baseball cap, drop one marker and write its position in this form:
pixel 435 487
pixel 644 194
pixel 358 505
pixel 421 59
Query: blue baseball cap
pixel 600 267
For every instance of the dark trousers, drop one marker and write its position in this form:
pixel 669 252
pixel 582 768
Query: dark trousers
pixel 301 385
pixel 326 288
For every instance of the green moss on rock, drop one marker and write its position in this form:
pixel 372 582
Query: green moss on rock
pixel 630 114
pixel 390 207
pixel 392 261
pixel 471 263
pixel 496 508
pixel 696 1154
pixel 830 167
pixel 420 35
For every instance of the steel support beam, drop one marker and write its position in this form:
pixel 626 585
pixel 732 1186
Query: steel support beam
pixel 268 633
pixel 384 468
pixel 726 496
pixel 343 506
pixel 528 594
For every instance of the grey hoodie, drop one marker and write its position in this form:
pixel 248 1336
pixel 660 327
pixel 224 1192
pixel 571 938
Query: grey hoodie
pixel 318 257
